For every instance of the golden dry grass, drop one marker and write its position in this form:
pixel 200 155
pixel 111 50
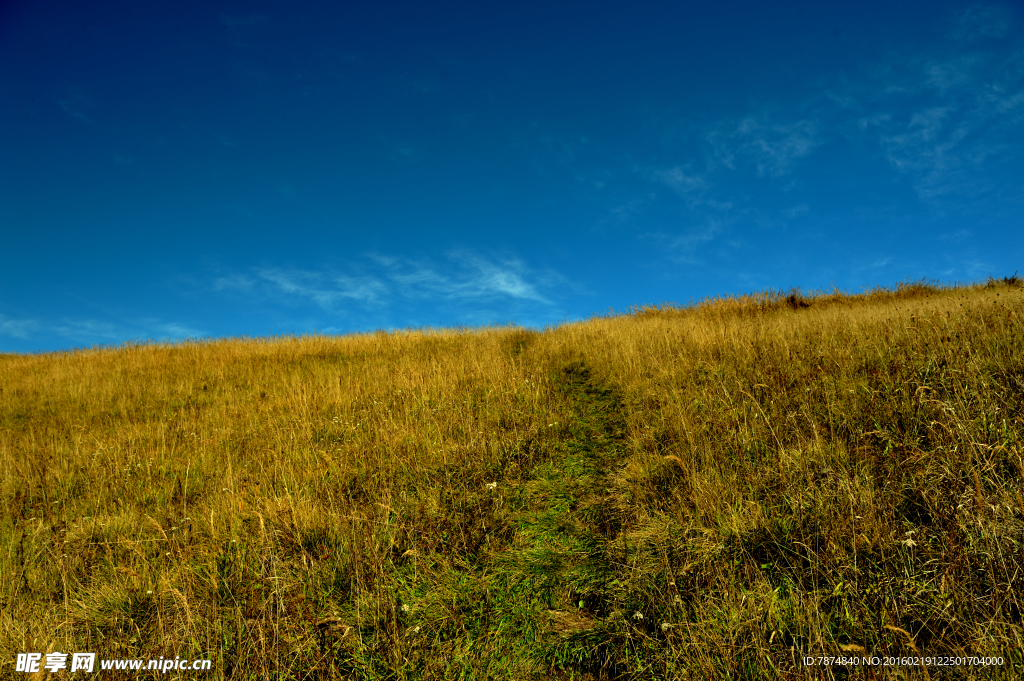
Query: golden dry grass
pixel 702 492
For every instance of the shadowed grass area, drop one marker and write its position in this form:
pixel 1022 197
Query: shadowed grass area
pixel 712 491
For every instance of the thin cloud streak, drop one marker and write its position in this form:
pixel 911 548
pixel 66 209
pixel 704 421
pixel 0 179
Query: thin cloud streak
pixel 86 332
pixel 325 291
pixel 980 22
pixel 770 146
pixel 941 120
pixel 468 278
pixel 18 328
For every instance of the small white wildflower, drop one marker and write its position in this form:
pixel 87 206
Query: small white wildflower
pixel 638 615
pixel 491 485
pixel 149 592
pixel 405 607
pixel 416 629
pixel 665 626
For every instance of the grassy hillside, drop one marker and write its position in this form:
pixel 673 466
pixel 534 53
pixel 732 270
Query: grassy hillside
pixel 703 492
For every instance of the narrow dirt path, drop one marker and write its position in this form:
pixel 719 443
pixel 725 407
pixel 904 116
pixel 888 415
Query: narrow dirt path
pixel 560 555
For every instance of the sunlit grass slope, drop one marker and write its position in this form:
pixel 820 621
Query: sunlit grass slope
pixel 704 492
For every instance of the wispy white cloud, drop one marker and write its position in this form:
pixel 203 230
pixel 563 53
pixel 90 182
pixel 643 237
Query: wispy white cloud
pixel 624 212
pixel 381 280
pixel 467 276
pixel 323 289
pixel 762 146
pixel 76 104
pixel 873 120
pixel 998 100
pixel 175 330
pixel 940 116
pixel 880 262
pixel 697 188
pixel 233 282
pixel 797 211
pixel 963 116
pixel 978 22
pixel 92 329
pixel 765 146
pixel 18 328
pixel 690 185
pixel 499 278
pixel 946 74
pixel 688 241
pixel 770 146
pixel 82 332
pixel 872 266
pixel 923 143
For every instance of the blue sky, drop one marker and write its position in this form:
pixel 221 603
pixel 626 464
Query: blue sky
pixel 187 169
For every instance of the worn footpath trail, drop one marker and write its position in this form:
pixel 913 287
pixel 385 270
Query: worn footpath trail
pixel 562 559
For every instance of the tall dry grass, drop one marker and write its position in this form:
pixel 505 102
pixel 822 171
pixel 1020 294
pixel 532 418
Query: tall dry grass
pixel 703 492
